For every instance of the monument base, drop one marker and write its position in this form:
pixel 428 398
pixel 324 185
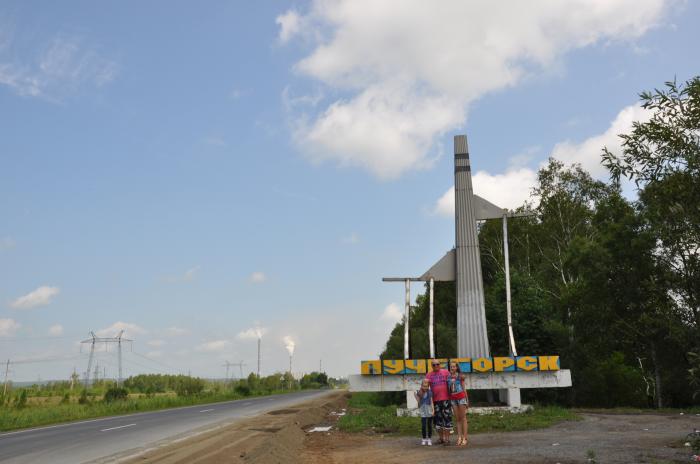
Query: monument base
pixel 508 385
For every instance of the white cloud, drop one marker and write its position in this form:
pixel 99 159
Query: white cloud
pixel 508 190
pixel 351 239
pixel 289 23
pixel 64 65
pixel 7 243
pixel 56 330
pixel 392 314
pixel 154 354
pixel 191 274
pixel 512 188
pixel 588 153
pixel 8 327
pixel 407 75
pixel 258 277
pixel 252 334
pixel 213 346
pixel 155 343
pixel 129 329
pixel 42 296
pixel 176 331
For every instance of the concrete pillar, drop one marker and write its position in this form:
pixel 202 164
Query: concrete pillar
pixel 510 396
pixel 411 402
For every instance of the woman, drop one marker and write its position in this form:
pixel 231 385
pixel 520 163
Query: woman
pixel 459 400
pixel 441 400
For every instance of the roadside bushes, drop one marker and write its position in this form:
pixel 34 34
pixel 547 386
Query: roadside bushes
pixel 116 394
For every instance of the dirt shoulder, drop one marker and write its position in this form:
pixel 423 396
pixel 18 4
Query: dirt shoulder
pixel 281 437
pixel 275 437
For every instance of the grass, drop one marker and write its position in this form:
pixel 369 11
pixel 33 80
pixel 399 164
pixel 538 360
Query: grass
pixel 367 413
pixel 45 414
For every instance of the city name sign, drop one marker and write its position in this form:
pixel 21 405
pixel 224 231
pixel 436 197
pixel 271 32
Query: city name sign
pixel 466 365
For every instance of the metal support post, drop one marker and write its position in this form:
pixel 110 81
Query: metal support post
pixel 511 337
pixel 408 311
pixel 431 319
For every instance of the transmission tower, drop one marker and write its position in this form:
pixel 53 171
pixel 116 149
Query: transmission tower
pixel 227 365
pixel 93 340
pixel 240 367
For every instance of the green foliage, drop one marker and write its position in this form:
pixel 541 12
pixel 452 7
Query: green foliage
pixel 115 394
pixel 368 412
pixel 188 386
pixel 83 398
pixel 20 399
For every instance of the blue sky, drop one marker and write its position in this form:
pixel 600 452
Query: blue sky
pixel 189 172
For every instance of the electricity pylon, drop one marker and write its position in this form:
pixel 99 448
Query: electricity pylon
pixel 93 341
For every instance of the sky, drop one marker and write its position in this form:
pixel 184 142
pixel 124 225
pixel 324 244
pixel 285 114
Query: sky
pixel 199 175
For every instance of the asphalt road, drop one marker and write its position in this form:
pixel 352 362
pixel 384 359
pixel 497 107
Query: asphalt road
pixel 102 440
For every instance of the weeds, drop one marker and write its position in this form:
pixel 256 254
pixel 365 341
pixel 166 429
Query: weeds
pixel 366 412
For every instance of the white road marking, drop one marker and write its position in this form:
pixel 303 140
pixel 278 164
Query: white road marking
pixel 115 428
pixel 206 410
pixel 270 399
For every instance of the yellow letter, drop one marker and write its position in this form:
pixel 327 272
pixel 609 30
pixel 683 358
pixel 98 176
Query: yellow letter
pixel 503 364
pixel 549 363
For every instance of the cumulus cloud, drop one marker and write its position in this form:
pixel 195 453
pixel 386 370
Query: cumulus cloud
pixel 113 330
pixel 289 23
pixel 213 346
pixel 588 152
pixel 406 75
pixel 8 327
pixel 42 296
pixel 252 334
pixel 512 188
pixel 392 314
pixel 176 331
pixel 258 277
pixel 63 65
pixel 56 330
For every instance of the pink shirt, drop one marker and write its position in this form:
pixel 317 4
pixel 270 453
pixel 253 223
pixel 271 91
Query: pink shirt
pixel 438 384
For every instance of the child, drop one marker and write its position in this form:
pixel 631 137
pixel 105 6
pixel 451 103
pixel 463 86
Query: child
pixel 459 400
pixel 424 397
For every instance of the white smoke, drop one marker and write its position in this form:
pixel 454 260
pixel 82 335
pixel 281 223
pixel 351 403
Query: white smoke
pixel 289 344
pixel 252 333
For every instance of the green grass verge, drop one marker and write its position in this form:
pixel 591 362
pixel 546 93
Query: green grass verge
pixel 38 415
pixel 366 413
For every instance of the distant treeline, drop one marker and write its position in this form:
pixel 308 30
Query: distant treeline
pixel 610 285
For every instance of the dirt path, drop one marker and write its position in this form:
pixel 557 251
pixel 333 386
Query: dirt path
pixel 280 437
pixel 648 438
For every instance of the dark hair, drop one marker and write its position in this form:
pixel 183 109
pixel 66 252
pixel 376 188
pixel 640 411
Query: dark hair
pixel 459 371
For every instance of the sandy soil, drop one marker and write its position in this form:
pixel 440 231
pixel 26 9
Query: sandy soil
pixel 280 437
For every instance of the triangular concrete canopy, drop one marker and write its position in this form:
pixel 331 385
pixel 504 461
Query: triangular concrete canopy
pixel 443 270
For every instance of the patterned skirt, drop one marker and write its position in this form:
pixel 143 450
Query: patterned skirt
pixel 443 414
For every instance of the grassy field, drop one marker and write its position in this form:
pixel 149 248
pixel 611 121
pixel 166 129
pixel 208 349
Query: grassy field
pixel 34 415
pixel 366 412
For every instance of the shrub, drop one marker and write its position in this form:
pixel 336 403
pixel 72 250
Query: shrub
pixel 21 400
pixel 116 394
pixel 189 386
pixel 242 389
pixel 83 398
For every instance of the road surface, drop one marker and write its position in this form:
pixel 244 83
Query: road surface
pixel 98 439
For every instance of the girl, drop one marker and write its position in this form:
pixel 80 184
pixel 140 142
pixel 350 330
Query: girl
pixel 424 397
pixel 460 400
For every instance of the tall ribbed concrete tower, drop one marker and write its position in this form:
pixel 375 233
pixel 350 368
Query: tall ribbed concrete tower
pixel 472 339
